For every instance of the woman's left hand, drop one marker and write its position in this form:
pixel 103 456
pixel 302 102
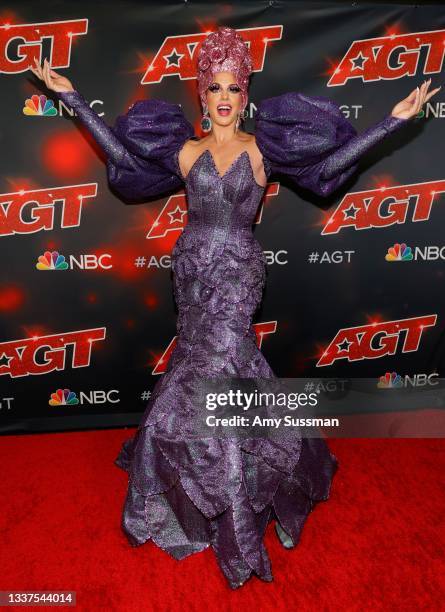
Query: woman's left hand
pixel 411 106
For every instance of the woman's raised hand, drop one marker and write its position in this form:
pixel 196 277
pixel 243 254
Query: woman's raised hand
pixel 52 79
pixel 412 105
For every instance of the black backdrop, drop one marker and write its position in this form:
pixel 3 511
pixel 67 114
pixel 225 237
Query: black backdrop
pixel 103 327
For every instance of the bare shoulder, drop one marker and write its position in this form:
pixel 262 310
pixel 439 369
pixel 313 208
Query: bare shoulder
pixel 250 138
pixel 191 145
pixel 254 151
pixel 256 160
pixel 188 153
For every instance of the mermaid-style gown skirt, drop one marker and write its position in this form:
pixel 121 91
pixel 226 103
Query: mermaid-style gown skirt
pixel 186 494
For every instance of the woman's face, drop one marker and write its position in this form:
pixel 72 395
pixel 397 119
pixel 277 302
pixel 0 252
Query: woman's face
pixel 224 91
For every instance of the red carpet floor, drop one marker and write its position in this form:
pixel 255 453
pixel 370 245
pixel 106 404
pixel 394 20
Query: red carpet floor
pixel 377 544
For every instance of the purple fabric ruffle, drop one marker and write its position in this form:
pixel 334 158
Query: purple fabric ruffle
pixel 309 140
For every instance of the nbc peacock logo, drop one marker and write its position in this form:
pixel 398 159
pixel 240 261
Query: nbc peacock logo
pixel 39 106
pixel 51 260
pixel 399 252
pixel 63 397
pixel 391 380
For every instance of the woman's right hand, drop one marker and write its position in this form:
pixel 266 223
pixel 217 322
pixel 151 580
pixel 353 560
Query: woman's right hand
pixel 52 79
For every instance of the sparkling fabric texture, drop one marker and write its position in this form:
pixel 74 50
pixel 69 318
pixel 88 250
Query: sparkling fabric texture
pixel 187 495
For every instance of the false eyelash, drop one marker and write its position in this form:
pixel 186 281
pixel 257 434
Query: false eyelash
pixel 234 89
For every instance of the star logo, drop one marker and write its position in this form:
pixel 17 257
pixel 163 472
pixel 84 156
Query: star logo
pixel 358 61
pixel 173 59
pixel 4 360
pixel 344 346
pixel 176 215
pixel 351 212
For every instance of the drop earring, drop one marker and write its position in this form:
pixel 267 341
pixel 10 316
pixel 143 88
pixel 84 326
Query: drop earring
pixel 241 116
pixel 206 122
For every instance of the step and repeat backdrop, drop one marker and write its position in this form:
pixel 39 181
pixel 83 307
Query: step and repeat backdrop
pixel 355 282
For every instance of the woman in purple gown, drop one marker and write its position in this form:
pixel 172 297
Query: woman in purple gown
pixel 186 494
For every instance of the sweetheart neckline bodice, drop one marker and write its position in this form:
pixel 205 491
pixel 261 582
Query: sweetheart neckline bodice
pixel 215 168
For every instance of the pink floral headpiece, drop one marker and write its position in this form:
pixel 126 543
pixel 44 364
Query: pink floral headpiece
pixel 224 51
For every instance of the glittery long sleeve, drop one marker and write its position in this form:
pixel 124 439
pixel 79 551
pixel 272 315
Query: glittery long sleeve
pixel 140 148
pixel 308 139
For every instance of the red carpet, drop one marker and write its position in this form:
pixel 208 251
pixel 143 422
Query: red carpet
pixel 377 544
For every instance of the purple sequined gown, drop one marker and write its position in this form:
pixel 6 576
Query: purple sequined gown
pixel 183 495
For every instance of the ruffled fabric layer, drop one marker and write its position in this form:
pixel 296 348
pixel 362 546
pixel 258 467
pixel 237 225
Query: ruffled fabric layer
pixel 306 138
pixel 217 300
pixel 224 498
pixel 186 494
pixel 151 132
pixel 309 140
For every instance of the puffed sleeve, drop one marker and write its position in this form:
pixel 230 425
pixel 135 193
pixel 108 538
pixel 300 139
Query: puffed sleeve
pixel 141 148
pixel 308 139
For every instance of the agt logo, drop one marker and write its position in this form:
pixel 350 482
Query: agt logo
pixel 39 355
pixel 20 44
pixel 386 58
pixel 53 260
pixel 402 252
pixel 381 58
pixel 66 397
pixel 384 207
pixel 376 340
pixel 41 106
pixel 392 380
pixel 177 54
pixel 31 211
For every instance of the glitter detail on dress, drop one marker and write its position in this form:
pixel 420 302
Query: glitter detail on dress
pixel 187 495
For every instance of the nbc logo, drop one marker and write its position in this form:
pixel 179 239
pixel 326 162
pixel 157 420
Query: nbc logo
pixel 399 252
pixel 51 261
pixel 391 380
pixel 63 397
pixel 39 106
